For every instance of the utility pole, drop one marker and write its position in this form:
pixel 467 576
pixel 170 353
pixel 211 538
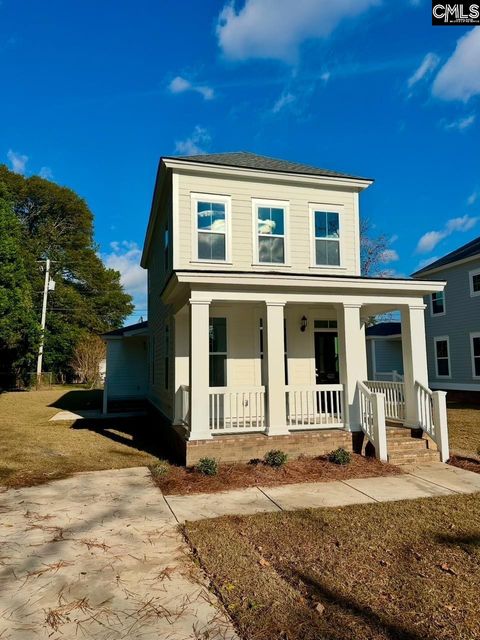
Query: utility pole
pixel 44 319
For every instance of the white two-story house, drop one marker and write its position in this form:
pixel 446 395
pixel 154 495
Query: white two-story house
pixel 257 310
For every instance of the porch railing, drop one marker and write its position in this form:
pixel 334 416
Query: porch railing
pixel 372 419
pixel 388 376
pixel 394 393
pixel 432 417
pixel 316 406
pixel 235 410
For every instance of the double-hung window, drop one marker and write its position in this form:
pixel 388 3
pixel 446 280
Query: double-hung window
pixel 211 214
pixel 218 352
pixel 474 282
pixel 438 303
pixel 326 237
pixel 475 347
pixel 442 357
pixel 270 229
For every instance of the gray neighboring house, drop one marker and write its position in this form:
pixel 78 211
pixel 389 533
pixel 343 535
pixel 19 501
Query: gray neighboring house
pixel 452 320
pixel 384 352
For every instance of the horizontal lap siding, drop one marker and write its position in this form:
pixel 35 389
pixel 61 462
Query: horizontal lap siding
pixel 388 356
pixel 462 318
pixel 242 191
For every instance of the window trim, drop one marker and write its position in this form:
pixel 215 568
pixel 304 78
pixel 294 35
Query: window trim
pixel 327 208
pixel 442 339
pixel 474 334
pixel 216 198
pixel 276 204
pixel 474 272
pixel 442 313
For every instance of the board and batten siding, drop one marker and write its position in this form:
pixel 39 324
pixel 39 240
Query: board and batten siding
pixel 462 317
pixel 299 229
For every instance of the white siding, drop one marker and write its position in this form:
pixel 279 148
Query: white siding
pixel 127 368
pixel 242 191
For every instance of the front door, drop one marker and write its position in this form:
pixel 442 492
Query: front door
pixel 326 357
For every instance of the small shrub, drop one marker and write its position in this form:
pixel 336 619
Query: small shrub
pixel 160 468
pixel 207 466
pixel 275 458
pixel 340 456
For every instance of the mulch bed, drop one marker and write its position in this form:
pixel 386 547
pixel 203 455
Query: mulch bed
pixel 181 480
pixel 467 463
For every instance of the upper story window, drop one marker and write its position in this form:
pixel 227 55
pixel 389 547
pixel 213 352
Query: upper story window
pixel 270 230
pixel 438 303
pixel 475 282
pixel 211 216
pixel 326 237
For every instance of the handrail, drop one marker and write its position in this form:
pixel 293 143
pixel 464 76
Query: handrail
pixel 432 417
pixel 372 419
pixel 394 397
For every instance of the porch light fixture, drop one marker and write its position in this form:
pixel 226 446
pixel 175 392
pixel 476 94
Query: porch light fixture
pixel 303 323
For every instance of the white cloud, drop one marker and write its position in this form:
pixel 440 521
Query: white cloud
pixel 181 85
pixel 429 240
pixel 325 76
pixel 389 255
pixel 17 161
pixel 125 258
pixel 46 173
pixel 460 124
pixel 472 198
pixel 459 78
pixel 276 28
pixel 283 101
pixel 425 262
pixel 193 145
pixel 426 67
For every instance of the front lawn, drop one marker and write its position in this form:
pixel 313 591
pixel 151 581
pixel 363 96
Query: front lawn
pixel 464 428
pixel 401 570
pixel 34 450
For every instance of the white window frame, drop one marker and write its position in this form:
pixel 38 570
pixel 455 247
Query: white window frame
pixel 442 313
pixel 327 208
pixel 217 199
pixel 475 272
pixel 442 339
pixel 474 334
pixel 275 204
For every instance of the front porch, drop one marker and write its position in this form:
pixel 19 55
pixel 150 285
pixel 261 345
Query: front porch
pixel 248 362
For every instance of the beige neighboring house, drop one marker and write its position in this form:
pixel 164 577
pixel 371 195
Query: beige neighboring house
pixel 257 309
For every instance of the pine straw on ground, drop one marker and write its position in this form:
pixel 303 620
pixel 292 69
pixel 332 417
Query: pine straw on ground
pixel 405 570
pixel 466 462
pixel 181 480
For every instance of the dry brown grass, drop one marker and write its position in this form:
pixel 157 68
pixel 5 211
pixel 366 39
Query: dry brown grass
pixel 181 480
pixel 464 428
pixel 34 450
pixel 403 570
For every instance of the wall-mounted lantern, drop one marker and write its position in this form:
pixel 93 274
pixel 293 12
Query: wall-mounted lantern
pixel 303 323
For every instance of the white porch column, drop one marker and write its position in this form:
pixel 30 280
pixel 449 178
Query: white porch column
pixel 182 360
pixel 414 357
pixel 199 370
pixel 352 359
pixel 274 351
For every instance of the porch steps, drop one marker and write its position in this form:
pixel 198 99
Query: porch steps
pixel 409 446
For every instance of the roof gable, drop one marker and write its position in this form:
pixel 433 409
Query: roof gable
pixel 469 250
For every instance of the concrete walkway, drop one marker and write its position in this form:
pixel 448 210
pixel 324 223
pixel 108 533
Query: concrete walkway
pixel 421 481
pixel 99 556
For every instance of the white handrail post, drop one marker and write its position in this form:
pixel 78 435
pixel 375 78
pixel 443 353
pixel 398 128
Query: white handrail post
pixel 439 401
pixel 379 426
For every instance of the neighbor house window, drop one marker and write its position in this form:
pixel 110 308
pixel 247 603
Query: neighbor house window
pixel 475 347
pixel 438 303
pixel 326 229
pixel 475 282
pixel 442 357
pixel 166 360
pixel 211 224
pixel 270 222
pixel 218 352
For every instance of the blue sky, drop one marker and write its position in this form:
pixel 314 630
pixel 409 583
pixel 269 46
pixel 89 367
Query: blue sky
pixel 93 93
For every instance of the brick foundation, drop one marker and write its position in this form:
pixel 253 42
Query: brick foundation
pixel 243 448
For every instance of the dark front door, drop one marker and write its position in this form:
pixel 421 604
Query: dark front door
pixel 326 357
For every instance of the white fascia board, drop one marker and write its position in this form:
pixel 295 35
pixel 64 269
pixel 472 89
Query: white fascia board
pixel 273 176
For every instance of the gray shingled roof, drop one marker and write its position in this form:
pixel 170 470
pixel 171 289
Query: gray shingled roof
pixel 468 250
pixel 123 330
pixel 385 329
pixel 249 160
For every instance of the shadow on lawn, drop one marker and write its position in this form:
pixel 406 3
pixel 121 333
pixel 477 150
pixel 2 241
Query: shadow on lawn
pixel 375 622
pixel 79 399
pixel 140 433
pixel 468 543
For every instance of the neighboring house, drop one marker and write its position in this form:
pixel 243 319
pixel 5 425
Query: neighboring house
pixel 257 311
pixel 452 320
pixel 384 351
